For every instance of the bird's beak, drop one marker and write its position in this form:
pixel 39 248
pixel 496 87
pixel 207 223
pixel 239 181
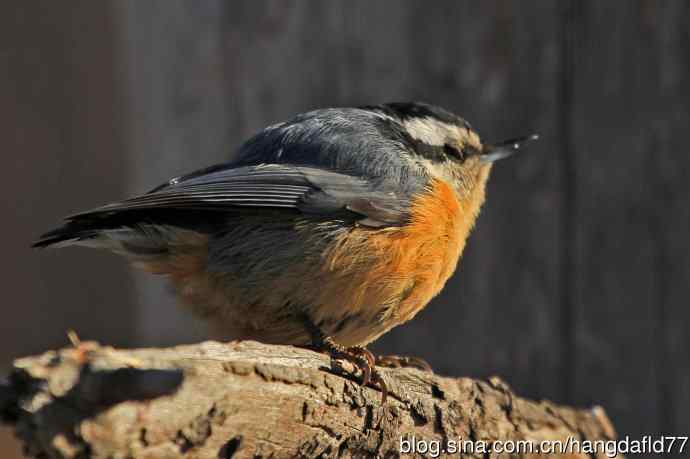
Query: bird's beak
pixel 500 150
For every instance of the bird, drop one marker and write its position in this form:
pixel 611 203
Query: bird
pixel 326 230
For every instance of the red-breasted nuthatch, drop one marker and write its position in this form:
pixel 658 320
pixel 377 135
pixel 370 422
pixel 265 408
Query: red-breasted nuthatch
pixel 326 230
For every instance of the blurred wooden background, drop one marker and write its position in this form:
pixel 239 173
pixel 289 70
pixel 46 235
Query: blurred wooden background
pixel 575 283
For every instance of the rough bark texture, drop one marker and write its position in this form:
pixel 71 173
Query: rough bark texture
pixel 246 399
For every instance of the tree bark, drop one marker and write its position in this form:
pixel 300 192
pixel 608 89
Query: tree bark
pixel 246 399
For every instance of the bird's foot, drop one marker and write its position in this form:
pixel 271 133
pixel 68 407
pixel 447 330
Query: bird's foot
pixel 403 361
pixel 361 358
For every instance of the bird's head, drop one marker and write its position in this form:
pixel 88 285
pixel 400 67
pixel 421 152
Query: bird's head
pixel 447 146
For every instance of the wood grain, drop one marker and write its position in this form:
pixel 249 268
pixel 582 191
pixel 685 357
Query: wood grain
pixel 247 400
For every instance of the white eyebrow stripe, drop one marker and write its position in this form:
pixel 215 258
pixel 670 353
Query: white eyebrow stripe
pixel 429 131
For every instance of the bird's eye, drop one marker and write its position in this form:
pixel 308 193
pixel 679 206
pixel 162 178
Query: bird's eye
pixel 453 152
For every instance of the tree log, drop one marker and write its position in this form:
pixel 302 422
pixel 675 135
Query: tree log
pixel 247 399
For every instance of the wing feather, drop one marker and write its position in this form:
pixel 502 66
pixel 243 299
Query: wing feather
pixel 305 189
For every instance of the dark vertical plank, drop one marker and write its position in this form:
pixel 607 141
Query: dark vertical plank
pixel 61 143
pixel 282 58
pixel 630 96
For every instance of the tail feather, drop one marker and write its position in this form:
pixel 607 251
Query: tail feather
pixel 85 229
pixel 138 235
pixel 108 231
pixel 70 233
pixel 134 239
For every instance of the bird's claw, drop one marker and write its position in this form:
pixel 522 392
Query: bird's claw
pixel 364 360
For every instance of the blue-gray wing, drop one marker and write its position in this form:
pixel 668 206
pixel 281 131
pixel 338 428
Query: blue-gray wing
pixel 311 191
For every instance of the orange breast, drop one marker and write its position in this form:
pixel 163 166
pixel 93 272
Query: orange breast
pixel 389 275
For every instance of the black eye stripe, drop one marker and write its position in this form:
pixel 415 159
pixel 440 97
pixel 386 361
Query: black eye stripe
pixel 432 152
pixel 438 153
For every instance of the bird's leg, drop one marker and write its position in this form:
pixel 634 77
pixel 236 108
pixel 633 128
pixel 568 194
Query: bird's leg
pixel 359 356
pixel 403 361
